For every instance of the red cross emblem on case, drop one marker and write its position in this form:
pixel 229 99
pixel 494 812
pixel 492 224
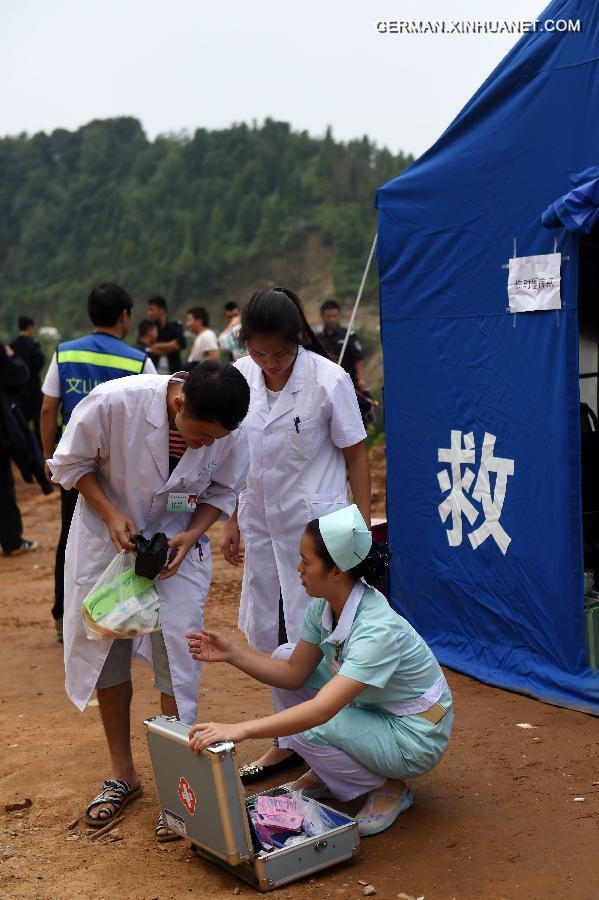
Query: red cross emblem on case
pixel 187 795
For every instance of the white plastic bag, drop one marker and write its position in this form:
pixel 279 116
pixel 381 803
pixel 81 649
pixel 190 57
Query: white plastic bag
pixel 121 604
pixel 316 819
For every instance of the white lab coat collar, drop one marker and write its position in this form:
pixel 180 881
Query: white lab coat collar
pixel 348 614
pixel 157 441
pixel 298 374
pixel 157 414
pixel 284 403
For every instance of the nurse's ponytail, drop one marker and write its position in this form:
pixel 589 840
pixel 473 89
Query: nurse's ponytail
pixel 278 311
pixel 372 569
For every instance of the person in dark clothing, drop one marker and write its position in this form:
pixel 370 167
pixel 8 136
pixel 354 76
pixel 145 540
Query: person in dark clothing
pixel 166 352
pixel 332 337
pixel 25 347
pixel 14 376
pixel 147 335
pixel 25 450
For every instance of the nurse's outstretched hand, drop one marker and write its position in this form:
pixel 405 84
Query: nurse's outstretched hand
pixel 179 547
pixel 202 734
pixel 209 646
pixel 230 541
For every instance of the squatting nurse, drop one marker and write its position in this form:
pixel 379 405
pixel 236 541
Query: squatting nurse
pixel 360 696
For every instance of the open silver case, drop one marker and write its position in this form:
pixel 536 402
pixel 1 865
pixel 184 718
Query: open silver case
pixel 203 800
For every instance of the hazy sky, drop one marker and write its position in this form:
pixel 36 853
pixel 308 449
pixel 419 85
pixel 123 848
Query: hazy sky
pixel 182 64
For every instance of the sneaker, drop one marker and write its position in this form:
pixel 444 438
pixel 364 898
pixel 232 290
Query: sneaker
pixel 370 822
pixel 23 547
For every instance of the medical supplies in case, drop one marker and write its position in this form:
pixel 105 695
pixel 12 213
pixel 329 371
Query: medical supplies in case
pixel 202 799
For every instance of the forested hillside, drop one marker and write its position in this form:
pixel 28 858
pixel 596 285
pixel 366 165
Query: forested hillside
pixel 185 216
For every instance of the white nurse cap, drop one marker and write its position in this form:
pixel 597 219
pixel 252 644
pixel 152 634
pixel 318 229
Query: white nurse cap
pixel 346 537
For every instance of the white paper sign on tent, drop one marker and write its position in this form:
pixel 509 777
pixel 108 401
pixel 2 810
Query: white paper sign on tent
pixel 534 282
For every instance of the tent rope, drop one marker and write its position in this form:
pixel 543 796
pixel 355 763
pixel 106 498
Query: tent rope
pixel 358 298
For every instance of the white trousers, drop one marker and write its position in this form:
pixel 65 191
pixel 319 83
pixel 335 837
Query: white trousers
pixel 345 777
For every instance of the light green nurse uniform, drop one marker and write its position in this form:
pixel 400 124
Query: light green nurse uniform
pixel 372 644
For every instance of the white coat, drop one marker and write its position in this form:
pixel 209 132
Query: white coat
pixel 120 432
pixel 297 473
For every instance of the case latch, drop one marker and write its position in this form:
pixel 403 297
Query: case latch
pixel 320 845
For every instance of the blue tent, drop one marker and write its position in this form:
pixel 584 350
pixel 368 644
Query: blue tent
pixel 482 407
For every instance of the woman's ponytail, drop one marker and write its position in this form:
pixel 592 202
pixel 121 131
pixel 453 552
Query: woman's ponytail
pixel 373 568
pixel 309 339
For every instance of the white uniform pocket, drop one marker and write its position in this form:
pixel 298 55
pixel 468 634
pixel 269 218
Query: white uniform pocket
pixel 321 505
pixel 87 554
pixel 305 437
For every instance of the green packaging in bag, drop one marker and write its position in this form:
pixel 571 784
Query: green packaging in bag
pixel 124 586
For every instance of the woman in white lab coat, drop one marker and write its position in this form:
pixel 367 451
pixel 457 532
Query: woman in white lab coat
pixel 306 440
pixel 118 451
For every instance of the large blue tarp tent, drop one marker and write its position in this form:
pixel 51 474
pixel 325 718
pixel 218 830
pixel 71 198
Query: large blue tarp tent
pixel 482 407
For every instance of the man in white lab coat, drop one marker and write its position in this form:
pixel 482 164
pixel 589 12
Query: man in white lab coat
pixel 138 450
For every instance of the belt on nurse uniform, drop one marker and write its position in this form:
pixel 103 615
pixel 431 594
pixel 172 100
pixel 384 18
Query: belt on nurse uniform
pixel 426 706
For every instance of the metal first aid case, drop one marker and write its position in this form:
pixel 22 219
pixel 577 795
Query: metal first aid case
pixel 203 800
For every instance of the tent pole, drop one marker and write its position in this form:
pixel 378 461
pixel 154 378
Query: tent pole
pixel 358 298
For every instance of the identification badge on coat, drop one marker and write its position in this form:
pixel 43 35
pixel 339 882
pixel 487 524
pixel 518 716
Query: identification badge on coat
pixel 181 502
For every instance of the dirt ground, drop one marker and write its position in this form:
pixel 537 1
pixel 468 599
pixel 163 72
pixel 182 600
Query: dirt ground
pixel 498 818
